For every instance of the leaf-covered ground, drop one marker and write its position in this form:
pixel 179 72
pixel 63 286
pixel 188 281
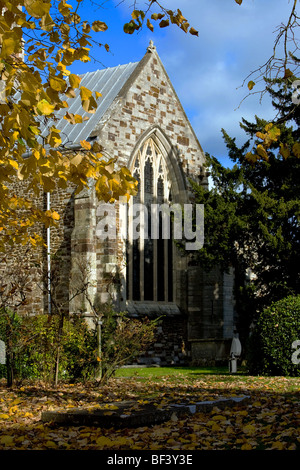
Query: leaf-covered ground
pixel 270 420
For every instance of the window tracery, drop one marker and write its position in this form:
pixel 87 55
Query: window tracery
pixel 150 261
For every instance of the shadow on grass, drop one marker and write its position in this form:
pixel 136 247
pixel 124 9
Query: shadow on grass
pixel 172 371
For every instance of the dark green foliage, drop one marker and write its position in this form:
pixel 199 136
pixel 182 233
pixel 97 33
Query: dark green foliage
pixel 11 334
pixel 270 346
pixel 35 348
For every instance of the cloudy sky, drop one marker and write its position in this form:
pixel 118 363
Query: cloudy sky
pixel 206 71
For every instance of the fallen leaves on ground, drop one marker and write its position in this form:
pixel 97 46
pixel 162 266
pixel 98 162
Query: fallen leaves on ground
pixel 270 420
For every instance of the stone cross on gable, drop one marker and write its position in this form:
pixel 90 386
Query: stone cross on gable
pixel 2 352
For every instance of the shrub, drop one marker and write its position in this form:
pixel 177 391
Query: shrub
pixel 270 346
pixel 77 358
pixel 35 344
pixel 124 339
pixel 11 334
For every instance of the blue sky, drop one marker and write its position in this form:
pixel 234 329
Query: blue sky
pixel 206 71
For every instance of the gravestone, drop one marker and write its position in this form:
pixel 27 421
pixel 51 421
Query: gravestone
pixel 2 352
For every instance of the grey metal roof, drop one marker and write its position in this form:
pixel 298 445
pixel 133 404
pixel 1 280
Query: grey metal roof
pixel 108 82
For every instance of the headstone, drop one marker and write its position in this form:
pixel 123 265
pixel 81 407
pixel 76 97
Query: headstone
pixel 235 352
pixel 2 352
pixel 236 347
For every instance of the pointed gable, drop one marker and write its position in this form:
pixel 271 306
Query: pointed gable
pixel 148 102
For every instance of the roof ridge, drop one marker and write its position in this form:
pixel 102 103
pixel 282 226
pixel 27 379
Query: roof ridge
pixel 108 68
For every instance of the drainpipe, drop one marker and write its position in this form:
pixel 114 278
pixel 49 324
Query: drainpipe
pixel 26 155
pixel 48 260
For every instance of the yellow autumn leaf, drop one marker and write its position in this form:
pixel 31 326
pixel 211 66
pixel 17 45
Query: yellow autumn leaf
pixel 77 159
pixel 14 164
pixel 64 8
pixel 296 149
pixel 273 131
pixel 219 418
pixel 86 145
pixel 194 32
pixel 13 409
pixel 124 441
pixel 251 84
pixel 249 429
pixel 89 105
pixel 55 215
pixel 150 25
pixel 215 427
pixel 278 445
pixel 98 26
pixel 36 154
pixel 284 150
pixel 262 152
pixel 4 415
pixel 85 93
pixel 9 46
pixel 246 446
pixel 34 129
pixel 6 440
pixel 104 441
pixel 74 80
pixel 45 108
pixel 37 8
pixel 229 430
pixel 77 118
pixel 17 401
pixel 57 84
pixel 251 157
pixel 50 444
pixel 54 139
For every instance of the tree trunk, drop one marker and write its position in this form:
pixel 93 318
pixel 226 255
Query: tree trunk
pixel 99 371
pixel 59 340
pixel 9 368
pixel 9 356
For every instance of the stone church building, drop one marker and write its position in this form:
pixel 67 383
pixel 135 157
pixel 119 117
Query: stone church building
pixel 141 122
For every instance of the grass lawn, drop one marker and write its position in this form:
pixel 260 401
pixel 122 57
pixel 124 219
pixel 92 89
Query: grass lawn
pixel 169 371
pixel 269 420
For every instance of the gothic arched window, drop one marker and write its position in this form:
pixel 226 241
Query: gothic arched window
pixel 149 260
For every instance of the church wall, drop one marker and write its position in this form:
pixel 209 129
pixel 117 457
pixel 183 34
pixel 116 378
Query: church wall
pixel 210 326
pixel 34 259
pixel 22 265
pixel 170 345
